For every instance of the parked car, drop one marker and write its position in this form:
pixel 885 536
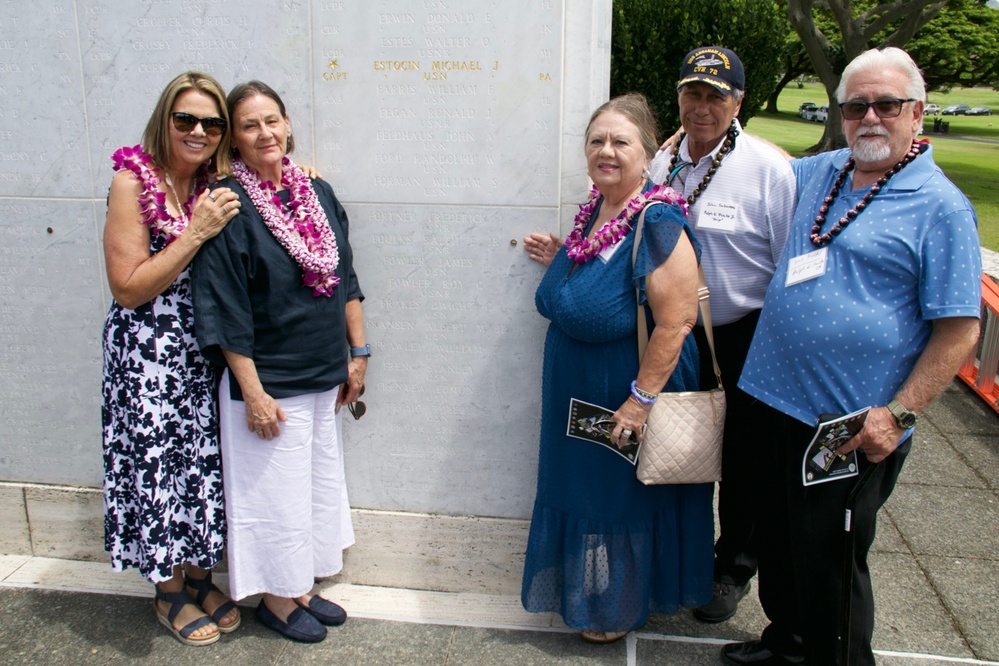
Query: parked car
pixel 979 111
pixel 821 114
pixel 956 110
pixel 807 110
pixel 931 109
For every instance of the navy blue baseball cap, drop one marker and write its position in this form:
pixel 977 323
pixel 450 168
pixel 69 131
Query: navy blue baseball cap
pixel 715 65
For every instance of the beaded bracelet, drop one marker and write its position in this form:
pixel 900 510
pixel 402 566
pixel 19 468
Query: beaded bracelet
pixel 641 396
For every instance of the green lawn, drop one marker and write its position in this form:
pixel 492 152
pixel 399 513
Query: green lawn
pixel 972 165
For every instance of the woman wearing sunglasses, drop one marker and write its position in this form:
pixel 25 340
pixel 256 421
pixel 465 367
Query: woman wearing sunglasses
pixel 277 302
pixel 163 477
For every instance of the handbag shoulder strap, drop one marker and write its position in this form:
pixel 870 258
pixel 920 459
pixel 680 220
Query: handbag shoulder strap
pixel 704 304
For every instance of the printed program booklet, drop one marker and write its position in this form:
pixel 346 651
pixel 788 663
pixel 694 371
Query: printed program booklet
pixel 592 423
pixel 821 462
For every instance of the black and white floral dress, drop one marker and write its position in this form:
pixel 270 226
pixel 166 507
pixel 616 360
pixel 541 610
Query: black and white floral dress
pixel 162 468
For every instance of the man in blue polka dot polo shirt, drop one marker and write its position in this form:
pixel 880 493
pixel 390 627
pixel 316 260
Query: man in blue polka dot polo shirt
pixel 875 303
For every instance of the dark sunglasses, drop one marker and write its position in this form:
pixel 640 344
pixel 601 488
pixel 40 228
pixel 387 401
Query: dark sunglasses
pixel 357 409
pixel 185 122
pixel 884 108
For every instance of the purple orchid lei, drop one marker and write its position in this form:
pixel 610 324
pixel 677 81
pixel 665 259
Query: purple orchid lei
pixel 152 201
pixel 580 249
pixel 301 227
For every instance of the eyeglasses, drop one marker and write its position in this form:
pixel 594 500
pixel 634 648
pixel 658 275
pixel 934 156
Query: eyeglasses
pixel 884 108
pixel 357 409
pixel 185 122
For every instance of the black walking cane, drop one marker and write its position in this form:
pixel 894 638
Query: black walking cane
pixel 850 543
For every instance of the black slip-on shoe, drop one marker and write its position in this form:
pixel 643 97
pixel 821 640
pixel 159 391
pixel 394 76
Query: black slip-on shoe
pixel 300 625
pixel 325 611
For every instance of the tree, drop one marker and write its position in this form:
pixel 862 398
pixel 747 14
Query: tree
pixel 796 63
pixel 651 37
pixel 897 20
pixel 960 47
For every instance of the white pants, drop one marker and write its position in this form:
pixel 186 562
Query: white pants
pixel 286 498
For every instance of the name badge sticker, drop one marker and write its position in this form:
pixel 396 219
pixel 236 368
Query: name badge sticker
pixel 718 216
pixel 806 267
pixel 608 252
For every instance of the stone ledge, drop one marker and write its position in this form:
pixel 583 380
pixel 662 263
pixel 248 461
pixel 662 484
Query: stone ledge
pixel 465 554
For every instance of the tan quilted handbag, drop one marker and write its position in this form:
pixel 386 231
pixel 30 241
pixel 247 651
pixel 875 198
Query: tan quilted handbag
pixel 683 434
pixel 683 439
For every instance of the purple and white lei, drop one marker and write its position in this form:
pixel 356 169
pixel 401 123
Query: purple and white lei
pixel 301 226
pixel 580 249
pixel 152 201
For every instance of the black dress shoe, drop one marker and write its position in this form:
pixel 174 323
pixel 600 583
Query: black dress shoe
pixel 725 598
pixel 753 653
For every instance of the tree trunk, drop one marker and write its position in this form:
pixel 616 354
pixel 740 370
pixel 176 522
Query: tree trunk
pixel 832 136
pixel 784 80
pixel 857 32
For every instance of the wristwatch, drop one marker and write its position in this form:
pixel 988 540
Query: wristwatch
pixel 360 351
pixel 905 418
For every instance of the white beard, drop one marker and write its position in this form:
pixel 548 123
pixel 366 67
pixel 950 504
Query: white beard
pixel 871 151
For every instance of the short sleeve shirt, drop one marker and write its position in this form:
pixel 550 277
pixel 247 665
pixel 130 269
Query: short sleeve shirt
pixel 850 337
pixel 742 219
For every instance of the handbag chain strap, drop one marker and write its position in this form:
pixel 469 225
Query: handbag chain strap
pixel 703 304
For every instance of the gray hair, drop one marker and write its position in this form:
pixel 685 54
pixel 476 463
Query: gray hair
pixel 634 107
pixel 881 59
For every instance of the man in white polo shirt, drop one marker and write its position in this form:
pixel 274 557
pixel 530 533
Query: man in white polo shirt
pixel 741 196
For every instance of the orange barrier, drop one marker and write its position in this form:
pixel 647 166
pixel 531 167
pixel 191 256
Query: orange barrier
pixel 979 371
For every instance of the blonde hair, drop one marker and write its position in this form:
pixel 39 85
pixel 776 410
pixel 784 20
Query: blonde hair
pixel 156 137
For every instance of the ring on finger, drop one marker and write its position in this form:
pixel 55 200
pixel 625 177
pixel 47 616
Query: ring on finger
pixel 212 196
pixel 225 208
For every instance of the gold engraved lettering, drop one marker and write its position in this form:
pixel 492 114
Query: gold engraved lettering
pixel 396 65
pixel 456 65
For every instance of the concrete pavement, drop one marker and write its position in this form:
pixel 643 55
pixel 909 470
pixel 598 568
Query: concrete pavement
pixel 935 565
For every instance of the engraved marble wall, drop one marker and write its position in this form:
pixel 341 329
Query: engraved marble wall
pixel 449 129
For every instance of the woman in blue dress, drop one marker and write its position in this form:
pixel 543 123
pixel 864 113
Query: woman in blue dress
pixel 604 549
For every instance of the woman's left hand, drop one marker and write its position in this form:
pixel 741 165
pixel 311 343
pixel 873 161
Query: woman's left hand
pixel 630 419
pixel 350 391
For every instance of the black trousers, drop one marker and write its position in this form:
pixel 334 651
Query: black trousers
pixel 802 558
pixel 735 550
